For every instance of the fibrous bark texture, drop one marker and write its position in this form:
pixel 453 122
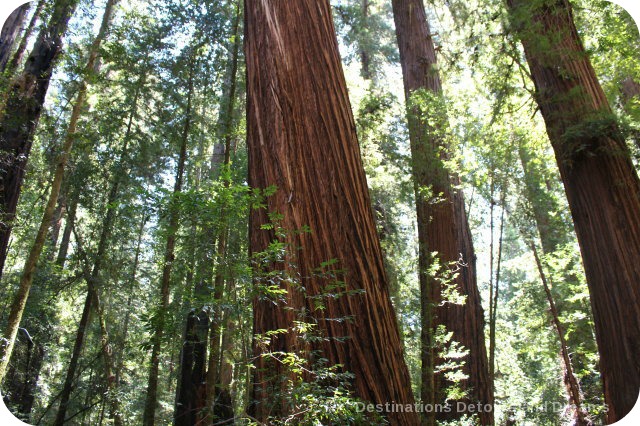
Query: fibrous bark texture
pixel 301 139
pixel 442 226
pixel 26 280
pixel 602 187
pixel 21 114
pixel 10 30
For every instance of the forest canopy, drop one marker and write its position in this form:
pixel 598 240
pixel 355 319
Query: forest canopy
pixel 320 212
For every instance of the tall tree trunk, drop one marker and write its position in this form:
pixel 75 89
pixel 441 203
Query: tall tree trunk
pixel 301 139
pixel 93 286
pixel 169 257
pixel 215 392
pixel 132 285
pixel 20 299
pixel 67 387
pixel 61 258
pixel 365 56
pixel 442 226
pixel 12 27
pixel 553 235
pixel 92 301
pixel 492 316
pixel 105 234
pixel 21 381
pixel 575 395
pixel 602 188
pixel 494 289
pixel 16 59
pixel 56 225
pixel 21 113
pixel 192 370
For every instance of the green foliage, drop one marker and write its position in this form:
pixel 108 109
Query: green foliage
pixel 313 391
pixel 485 127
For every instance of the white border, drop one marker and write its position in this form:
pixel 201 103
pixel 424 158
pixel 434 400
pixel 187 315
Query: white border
pixel 8 6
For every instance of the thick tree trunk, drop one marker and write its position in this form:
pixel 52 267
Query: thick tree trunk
pixel 22 379
pixel 602 187
pixel 17 56
pixel 301 139
pixel 553 235
pixel 193 365
pixel 20 299
pixel 169 257
pixel 442 228
pixel 21 113
pixel 10 31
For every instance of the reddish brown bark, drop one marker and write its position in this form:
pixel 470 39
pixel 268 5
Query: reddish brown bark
pixel 442 226
pixel 602 188
pixel 301 138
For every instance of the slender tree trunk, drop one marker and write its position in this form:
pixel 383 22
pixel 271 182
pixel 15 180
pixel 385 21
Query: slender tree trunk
pixel 66 234
pixel 365 56
pixel 105 234
pixel 214 389
pixel 16 59
pixel 20 116
pixel 56 225
pixel 10 31
pixel 301 139
pixel 92 278
pixel 602 188
pixel 67 388
pixel 553 235
pixel 575 395
pixel 495 288
pixel 169 257
pixel 442 226
pixel 132 285
pixel 92 301
pixel 492 323
pixel 191 386
pixel 20 300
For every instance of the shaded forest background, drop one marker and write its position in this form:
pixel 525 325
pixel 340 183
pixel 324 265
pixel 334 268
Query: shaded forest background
pixel 143 291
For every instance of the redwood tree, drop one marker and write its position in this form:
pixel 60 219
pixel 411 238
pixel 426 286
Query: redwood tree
pixel 301 139
pixel 443 228
pixel 21 113
pixel 10 30
pixel 602 187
